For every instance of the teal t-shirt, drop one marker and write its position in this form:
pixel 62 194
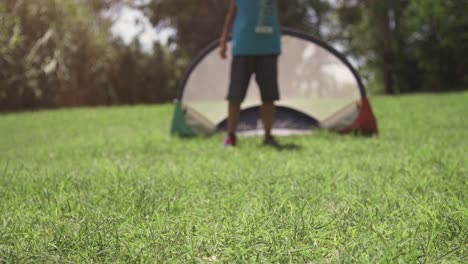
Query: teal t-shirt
pixel 256 28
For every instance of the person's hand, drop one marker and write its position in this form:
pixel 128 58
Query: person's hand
pixel 223 50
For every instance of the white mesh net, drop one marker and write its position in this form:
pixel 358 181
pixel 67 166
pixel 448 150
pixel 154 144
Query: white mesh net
pixel 312 80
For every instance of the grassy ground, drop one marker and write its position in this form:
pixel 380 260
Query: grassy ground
pixel 110 185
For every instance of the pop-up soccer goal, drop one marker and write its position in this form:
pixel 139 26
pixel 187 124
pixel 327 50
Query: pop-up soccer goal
pixel 319 89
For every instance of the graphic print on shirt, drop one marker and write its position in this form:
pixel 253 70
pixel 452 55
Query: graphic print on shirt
pixel 266 17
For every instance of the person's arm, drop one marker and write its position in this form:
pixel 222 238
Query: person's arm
pixel 227 28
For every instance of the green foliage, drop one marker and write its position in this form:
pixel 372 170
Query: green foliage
pixel 308 15
pixel 410 46
pixel 145 78
pixel 58 52
pixel 197 23
pixel 439 31
pixel 10 39
pixel 378 35
pixel 111 186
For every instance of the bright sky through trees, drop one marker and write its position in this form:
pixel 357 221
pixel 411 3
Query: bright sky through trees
pixel 131 23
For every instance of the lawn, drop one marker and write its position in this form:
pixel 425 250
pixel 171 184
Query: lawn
pixel 111 185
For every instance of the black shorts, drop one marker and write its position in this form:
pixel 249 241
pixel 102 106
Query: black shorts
pixel 265 68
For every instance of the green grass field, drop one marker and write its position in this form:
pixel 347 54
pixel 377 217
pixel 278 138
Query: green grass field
pixel 111 185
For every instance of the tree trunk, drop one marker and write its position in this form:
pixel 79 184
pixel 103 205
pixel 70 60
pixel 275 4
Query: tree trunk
pixel 388 53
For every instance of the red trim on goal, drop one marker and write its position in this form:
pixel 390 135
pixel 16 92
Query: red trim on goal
pixel 365 123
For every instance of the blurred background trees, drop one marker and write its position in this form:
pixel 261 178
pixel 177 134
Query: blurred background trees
pixel 409 45
pixel 52 53
pixel 57 53
pixel 61 53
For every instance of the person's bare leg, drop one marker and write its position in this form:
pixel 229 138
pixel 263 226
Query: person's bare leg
pixel 233 117
pixel 268 117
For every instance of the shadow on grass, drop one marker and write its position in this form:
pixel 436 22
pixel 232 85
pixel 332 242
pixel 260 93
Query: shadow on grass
pixel 291 147
pixel 287 147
